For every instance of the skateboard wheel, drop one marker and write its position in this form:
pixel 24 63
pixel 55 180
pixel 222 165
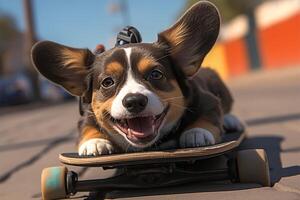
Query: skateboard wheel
pixel 53 183
pixel 253 167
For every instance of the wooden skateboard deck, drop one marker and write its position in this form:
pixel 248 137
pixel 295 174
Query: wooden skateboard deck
pixel 230 142
pixel 157 169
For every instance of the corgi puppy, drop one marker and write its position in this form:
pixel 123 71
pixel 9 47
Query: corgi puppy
pixel 145 94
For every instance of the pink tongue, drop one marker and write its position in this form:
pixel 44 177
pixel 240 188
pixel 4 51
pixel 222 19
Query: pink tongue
pixel 141 126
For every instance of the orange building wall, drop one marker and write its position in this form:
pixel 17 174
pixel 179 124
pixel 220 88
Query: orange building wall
pixel 236 57
pixel 280 43
pixel 279 47
pixel 216 60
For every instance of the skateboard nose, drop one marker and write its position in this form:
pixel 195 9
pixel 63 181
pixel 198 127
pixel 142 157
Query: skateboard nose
pixel 135 102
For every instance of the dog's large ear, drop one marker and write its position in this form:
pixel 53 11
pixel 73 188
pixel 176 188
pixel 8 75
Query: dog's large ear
pixel 63 65
pixel 192 36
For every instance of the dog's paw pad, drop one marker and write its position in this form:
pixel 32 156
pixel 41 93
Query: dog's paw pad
pixel 95 147
pixel 196 137
pixel 233 124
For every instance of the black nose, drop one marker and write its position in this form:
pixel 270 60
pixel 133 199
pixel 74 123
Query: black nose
pixel 135 103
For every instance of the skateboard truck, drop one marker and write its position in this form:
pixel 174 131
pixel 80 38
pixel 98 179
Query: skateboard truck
pixel 152 176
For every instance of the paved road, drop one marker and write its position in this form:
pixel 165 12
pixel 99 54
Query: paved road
pixel 269 101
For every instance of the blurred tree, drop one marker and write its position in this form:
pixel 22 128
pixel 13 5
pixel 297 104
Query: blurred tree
pixel 30 39
pixel 8 31
pixel 230 9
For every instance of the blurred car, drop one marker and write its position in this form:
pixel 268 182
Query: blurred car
pixel 16 89
pixel 51 92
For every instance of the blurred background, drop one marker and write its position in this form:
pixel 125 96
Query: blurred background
pixel 257 54
pixel 255 35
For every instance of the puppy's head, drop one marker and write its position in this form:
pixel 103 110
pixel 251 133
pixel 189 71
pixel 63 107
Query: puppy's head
pixel 137 91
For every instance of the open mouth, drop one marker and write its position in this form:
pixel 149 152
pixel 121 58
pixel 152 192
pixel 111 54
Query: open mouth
pixel 140 129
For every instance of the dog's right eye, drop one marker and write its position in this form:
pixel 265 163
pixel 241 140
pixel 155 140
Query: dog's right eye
pixel 156 75
pixel 107 82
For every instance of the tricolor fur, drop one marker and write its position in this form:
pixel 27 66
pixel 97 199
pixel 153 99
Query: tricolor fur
pixel 142 95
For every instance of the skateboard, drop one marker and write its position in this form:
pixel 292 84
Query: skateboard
pixel 156 169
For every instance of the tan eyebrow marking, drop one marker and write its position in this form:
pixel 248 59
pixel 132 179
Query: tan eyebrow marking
pixel 114 68
pixel 145 63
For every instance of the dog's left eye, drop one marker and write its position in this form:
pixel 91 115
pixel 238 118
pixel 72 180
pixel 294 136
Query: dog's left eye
pixel 156 75
pixel 107 82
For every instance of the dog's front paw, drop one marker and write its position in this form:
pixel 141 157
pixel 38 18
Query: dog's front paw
pixel 232 124
pixel 95 147
pixel 196 137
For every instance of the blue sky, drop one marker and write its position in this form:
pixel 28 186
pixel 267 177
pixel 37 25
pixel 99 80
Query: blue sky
pixel 80 23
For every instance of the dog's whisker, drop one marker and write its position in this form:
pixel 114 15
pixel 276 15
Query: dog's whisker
pixel 179 97
pixel 106 114
pixel 106 117
pixel 183 107
pixel 89 111
pixel 89 115
pixel 162 57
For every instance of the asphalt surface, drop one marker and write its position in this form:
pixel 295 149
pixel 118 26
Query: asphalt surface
pixel 33 136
